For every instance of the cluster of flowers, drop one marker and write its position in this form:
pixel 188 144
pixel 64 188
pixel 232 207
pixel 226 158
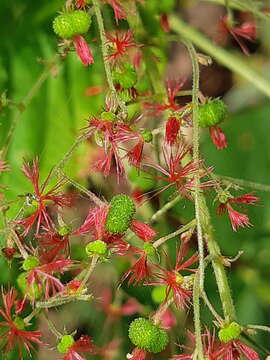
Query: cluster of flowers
pixel 42 239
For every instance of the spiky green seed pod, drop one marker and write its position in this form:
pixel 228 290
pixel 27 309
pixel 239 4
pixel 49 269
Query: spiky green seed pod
pixel 230 332
pixel 62 26
pixel 120 214
pixel 212 113
pixel 144 334
pixel 81 22
pixel 141 179
pixel 30 263
pixel 32 292
pixel 147 135
pixel 97 247
pixel 126 77
pixel 108 116
pixel 65 343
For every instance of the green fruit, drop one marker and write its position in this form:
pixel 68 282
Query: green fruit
pixel 30 263
pixel 166 6
pixel 212 113
pixel 80 21
pixel 65 343
pixel 147 135
pixel 126 77
pixel 97 247
pixel 62 26
pixel 141 179
pixel 32 292
pixel 144 334
pixel 120 214
pixel 230 332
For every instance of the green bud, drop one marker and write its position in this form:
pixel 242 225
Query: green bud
pixel 149 248
pixel 81 22
pixel 212 113
pixel 97 247
pixel 108 116
pixel 32 292
pixel 126 77
pixel 30 263
pixel 144 334
pixel 120 214
pixel 159 294
pixel 230 332
pixel 62 26
pixel 147 135
pixel 65 343
pixel 19 322
pixel 64 230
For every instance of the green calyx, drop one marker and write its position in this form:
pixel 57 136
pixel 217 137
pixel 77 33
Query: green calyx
pixel 30 263
pixel 144 334
pixel 73 23
pixel 147 135
pixel 97 247
pixel 212 113
pixel 19 322
pixel 33 291
pixel 230 332
pixel 126 76
pixel 120 214
pixel 65 343
pixel 108 116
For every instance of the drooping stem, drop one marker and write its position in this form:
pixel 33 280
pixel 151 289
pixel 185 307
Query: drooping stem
pixel 223 56
pixel 199 278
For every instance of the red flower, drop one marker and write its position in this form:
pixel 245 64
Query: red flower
pixel 83 50
pixel 246 31
pixel 174 280
pixel 235 350
pixel 41 198
pixel 137 354
pixel 80 4
pixel 218 137
pixel 176 174
pixel 119 43
pixel 53 246
pixel 83 345
pixel 237 219
pixel 211 347
pixel 42 276
pixel 172 87
pixel 14 334
pixel 118 9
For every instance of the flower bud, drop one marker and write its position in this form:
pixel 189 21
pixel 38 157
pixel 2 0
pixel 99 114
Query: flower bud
pixel 212 113
pixel 65 343
pixel 144 334
pixel 230 332
pixel 97 247
pixel 30 263
pixel 120 214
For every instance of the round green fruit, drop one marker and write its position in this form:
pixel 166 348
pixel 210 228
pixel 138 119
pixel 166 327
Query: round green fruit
pixel 212 113
pixel 230 332
pixel 65 343
pixel 97 247
pixel 81 22
pixel 62 26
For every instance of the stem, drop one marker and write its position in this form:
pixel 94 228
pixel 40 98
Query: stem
pixel 199 278
pixel 88 273
pixel 227 180
pixel 160 311
pixel 226 58
pixel 259 327
pixel 211 308
pixel 184 228
pixel 164 209
pixel 52 327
